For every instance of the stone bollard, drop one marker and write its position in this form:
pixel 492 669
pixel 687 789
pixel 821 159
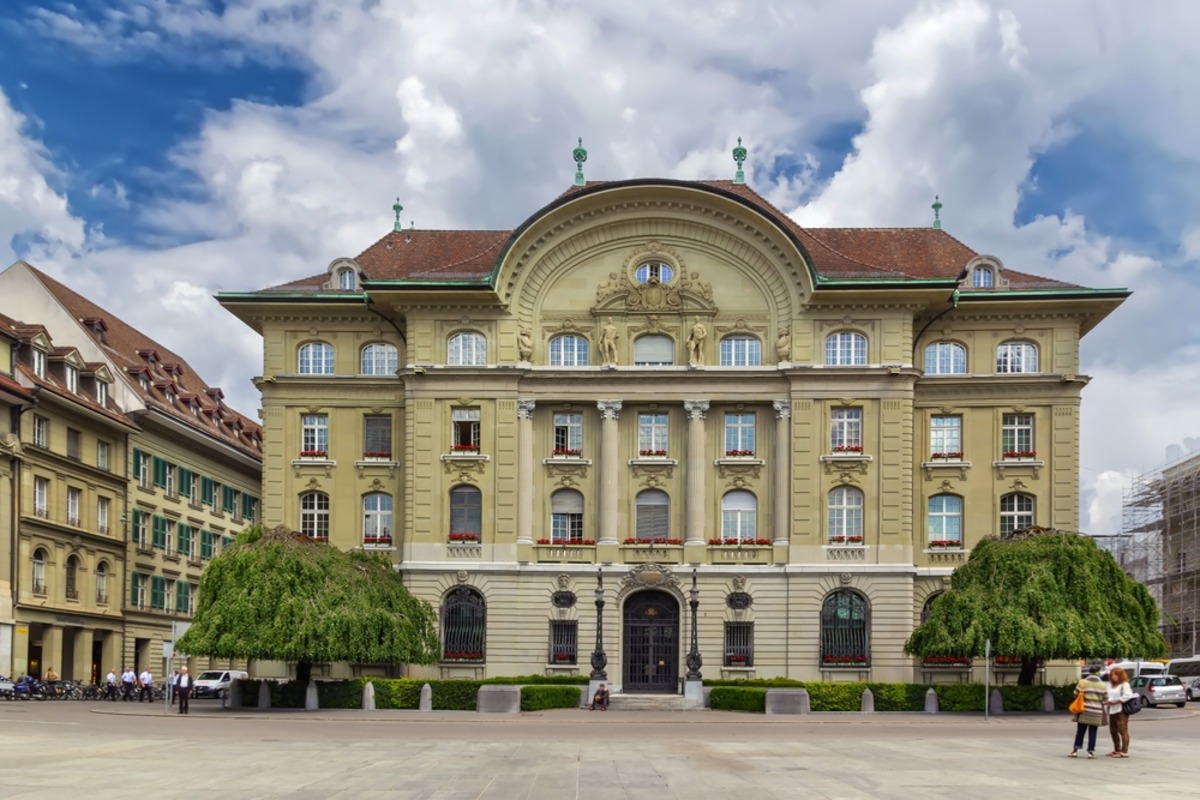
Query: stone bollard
pixel 1047 701
pixel 426 703
pixel 498 699
pixel 234 699
pixel 996 703
pixel 931 701
pixel 787 701
pixel 311 703
pixel 368 697
pixel 868 702
pixel 264 696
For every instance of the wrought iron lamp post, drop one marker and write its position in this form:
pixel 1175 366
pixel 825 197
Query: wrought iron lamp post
pixel 599 659
pixel 694 661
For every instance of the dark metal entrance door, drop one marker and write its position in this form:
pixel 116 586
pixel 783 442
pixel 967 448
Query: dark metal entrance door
pixel 650 662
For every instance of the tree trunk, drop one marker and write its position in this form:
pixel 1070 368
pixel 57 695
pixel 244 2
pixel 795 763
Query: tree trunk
pixel 1029 668
pixel 304 672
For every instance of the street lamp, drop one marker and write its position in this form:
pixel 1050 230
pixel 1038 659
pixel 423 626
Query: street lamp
pixel 694 661
pixel 599 659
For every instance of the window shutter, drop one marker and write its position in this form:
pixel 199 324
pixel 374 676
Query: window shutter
pixel 566 502
pixel 377 434
pixel 160 472
pixel 228 501
pixel 160 532
pixel 654 349
pixel 182 542
pixel 248 507
pixel 206 490
pixel 135 582
pixel 137 521
pixel 185 479
pixel 138 457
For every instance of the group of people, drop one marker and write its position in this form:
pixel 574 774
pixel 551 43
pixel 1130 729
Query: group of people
pixel 180 686
pixel 1103 703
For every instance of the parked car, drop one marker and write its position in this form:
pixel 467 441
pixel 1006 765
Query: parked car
pixel 1157 690
pixel 1193 689
pixel 6 687
pixel 216 682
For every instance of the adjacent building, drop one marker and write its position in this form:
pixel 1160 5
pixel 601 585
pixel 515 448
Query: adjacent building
pixel 659 382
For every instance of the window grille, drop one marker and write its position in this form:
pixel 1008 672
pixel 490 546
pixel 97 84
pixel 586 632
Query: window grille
pixel 844 629
pixel 377 436
pixel 464 625
pixel 564 648
pixel 739 644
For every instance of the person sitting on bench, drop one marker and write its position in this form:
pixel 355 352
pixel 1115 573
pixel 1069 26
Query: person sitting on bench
pixel 600 698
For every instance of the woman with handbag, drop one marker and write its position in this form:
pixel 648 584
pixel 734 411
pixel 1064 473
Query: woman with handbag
pixel 1119 695
pixel 1088 708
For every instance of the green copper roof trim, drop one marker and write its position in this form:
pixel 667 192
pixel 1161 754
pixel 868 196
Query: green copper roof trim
pixel 859 283
pixel 580 156
pixel 356 297
pixel 937 212
pixel 739 157
pixel 1065 291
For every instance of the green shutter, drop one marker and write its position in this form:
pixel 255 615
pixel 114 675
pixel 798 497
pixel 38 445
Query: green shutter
pixel 206 490
pixel 157 590
pixel 160 472
pixel 206 545
pixel 182 539
pixel 228 499
pixel 137 523
pixel 185 481
pixel 226 543
pixel 160 532
pixel 248 507
pixel 138 455
pixel 135 582
pixel 182 594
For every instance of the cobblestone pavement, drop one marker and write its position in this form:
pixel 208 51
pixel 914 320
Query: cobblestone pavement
pixel 131 751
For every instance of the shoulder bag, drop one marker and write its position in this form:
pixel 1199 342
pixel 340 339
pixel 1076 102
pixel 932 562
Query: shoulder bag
pixel 1132 705
pixel 1077 705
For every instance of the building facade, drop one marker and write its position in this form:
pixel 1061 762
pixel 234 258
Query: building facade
pixel 132 473
pixel 663 381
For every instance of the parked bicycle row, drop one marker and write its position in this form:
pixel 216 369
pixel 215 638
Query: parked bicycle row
pixel 128 687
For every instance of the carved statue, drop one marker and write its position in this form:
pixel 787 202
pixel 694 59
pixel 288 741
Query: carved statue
pixel 695 344
pixel 783 346
pixel 608 342
pixel 525 344
pixel 606 290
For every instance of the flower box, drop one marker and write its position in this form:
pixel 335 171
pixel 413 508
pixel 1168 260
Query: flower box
pixel 378 454
pixel 738 453
pixel 651 542
pixel 377 540
pixel 946 661
pixel 464 448
pixel 951 543
pixel 848 448
pixel 724 542
pixel 579 543
pixel 564 658
pixel 318 538
pixel 1020 453
pixel 945 456
pixel 844 661
pixel 852 539
pixel 653 453
pixel 462 655
pixel 313 453
pixel 572 452
pixel 463 538
pixel 736 659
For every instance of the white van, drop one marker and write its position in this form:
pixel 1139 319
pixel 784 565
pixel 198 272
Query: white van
pixel 216 682
pixel 1139 668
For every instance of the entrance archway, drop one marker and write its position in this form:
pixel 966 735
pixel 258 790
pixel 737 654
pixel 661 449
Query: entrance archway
pixel 650 660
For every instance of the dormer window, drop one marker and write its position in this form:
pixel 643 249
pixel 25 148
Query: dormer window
pixel 102 393
pixel 144 382
pixel 346 279
pixel 39 362
pixel 170 397
pixel 72 378
pixel 983 278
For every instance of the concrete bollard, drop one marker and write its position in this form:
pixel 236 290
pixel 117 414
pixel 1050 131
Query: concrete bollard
pixel 787 701
pixel 1047 701
pixel 234 699
pixel 311 703
pixel 426 703
pixel 996 703
pixel 368 697
pixel 498 699
pixel 931 701
pixel 868 702
pixel 264 696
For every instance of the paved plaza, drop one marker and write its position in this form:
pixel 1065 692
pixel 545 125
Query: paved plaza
pixel 131 751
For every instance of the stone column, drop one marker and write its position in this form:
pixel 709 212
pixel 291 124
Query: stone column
pixel 782 521
pixel 609 470
pixel 82 668
pixel 526 483
pixel 52 650
pixel 697 471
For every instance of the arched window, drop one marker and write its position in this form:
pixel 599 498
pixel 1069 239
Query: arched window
pixel 739 516
pixel 380 358
pixel 653 515
pixel 316 358
pixel 346 279
pixel 845 629
pixel 1016 357
pixel 945 520
pixel 314 516
pixel 467 349
pixel 466 514
pixel 983 278
pixel 72 578
pixel 39 571
pixel 102 583
pixel 845 516
pixel 566 516
pixel 741 351
pixel 568 350
pixel 377 518
pixel 1016 513
pixel 945 358
pixel 928 605
pixel 845 349
pixel 653 350
pixel 464 625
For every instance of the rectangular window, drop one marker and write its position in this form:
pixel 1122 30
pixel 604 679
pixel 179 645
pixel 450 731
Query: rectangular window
pixel 314 436
pixel 465 424
pixel 568 434
pixel 184 593
pixel 1016 436
pixel 845 432
pixel 159 525
pixel 73 437
pixel 183 538
pixel 73 497
pixel 41 431
pixel 102 456
pixel 566 527
pixel 158 592
pixel 215 500
pixel 138 530
pixel 739 434
pixel 169 484
pixel 377 436
pixel 945 436
pixel 41 497
pixel 72 379
pixel 101 393
pixel 137 590
pixel 141 468
pixel 739 644
pixel 564 647
pixel 102 514
pixel 188 488
pixel 207 542
pixel 652 434
pixel 39 363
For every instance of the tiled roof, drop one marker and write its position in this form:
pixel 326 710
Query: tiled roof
pixel 50 383
pixel 124 343
pixel 836 253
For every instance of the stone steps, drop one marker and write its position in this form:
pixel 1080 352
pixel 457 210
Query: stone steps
pixel 648 702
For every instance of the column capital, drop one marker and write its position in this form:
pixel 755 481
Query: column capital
pixel 783 408
pixel 525 409
pixel 696 408
pixel 609 409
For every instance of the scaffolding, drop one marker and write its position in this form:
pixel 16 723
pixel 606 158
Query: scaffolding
pixel 1159 545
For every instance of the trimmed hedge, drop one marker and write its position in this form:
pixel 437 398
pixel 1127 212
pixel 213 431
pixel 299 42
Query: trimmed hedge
pixel 738 698
pixel 537 698
pixel 539 680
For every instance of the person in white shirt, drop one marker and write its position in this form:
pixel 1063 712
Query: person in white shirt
pixel 1119 691
pixel 110 686
pixel 127 679
pixel 146 681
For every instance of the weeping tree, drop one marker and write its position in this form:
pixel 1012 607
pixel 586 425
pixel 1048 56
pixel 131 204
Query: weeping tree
pixel 276 595
pixel 1037 595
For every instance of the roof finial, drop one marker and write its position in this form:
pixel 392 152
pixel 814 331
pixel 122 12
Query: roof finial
pixel 739 156
pixel 580 156
pixel 396 226
pixel 937 213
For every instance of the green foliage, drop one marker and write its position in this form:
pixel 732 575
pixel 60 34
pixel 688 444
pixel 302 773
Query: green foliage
pixel 1044 596
pixel 537 698
pixel 738 698
pixel 455 695
pixel 284 694
pixel 393 693
pixel 835 696
pixel 778 683
pixel 960 696
pixel 542 680
pixel 276 596
pixel 341 694
pixel 897 696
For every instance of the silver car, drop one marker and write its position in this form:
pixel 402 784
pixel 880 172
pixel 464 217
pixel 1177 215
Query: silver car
pixel 1193 689
pixel 1157 690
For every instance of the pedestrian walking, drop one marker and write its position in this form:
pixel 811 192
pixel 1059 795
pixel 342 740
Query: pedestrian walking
pixel 174 685
pixel 1094 693
pixel 127 678
pixel 110 685
pixel 146 682
pixel 184 687
pixel 1119 692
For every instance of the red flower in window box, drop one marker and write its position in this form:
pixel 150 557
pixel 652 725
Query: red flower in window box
pixel 564 657
pixel 543 541
pixel 1020 453
pixel 377 539
pixel 462 655
pixel 947 661
pixel 570 452
pixel 652 452
pixel 844 659
pixel 847 448
pixel 950 454
pixel 377 454
pixel 463 537
pixel 737 453
pixel 954 543
pixel 465 448
pixel 318 538
pixel 313 453
pixel 737 659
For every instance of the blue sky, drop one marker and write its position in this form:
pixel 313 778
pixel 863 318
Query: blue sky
pixel 159 151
